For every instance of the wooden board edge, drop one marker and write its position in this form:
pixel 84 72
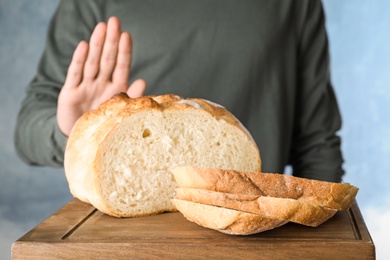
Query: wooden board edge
pixel 147 250
pixel 49 230
pixel 356 218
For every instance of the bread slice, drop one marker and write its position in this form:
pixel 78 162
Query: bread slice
pixel 225 220
pixel 118 157
pixel 275 208
pixel 339 196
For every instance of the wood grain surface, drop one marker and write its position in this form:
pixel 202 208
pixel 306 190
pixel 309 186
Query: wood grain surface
pixel 79 231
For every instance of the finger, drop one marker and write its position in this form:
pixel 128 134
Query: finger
pixel 75 70
pixel 121 72
pixel 110 49
pixel 137 88
pixel 96 44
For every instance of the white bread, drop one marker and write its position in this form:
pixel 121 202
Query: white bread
pixel 224 220
pixel 274 208
pixel 118 157
pixel 337 196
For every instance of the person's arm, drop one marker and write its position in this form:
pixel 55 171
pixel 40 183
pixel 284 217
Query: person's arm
pixel 38 139
pixel 316 151
pixel 58 96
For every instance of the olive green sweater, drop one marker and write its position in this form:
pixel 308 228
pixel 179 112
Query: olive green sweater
pixel 264 60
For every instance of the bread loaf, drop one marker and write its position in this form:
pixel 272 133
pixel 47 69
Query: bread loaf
pixel 224 220
pixel 118 157
pixel 290 210
pixel 337 196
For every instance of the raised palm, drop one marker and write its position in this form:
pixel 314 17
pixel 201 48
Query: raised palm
pixel 98 70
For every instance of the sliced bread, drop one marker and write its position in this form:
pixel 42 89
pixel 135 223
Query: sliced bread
pixel 225 220
pixel 275 208
pixel 337 196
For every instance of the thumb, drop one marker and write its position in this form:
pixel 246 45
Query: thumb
pixel 137 88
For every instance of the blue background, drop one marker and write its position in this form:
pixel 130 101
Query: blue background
pixel 360 64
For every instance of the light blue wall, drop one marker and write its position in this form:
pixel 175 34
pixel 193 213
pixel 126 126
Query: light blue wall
pixel 28 195
pixel 360 55
pixel 360 58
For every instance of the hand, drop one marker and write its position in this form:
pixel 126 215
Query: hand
pixel 98 70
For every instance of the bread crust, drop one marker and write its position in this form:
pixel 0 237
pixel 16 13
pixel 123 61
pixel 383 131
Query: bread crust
pixel 276 208
pixel 89 131
pixel 339 196
pixel 224 220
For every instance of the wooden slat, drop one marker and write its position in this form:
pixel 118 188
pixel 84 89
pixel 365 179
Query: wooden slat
pixel 80 231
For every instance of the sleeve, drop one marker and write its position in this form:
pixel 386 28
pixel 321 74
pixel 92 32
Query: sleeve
pixel 38 140
pixel 316 147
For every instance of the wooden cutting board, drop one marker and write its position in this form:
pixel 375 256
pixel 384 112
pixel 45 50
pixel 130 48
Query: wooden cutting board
pixel 79 231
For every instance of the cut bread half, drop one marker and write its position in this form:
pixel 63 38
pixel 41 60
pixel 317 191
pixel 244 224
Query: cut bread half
pixel 225 220
pixel 275 208
pixel 118 157
pixel 339 196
